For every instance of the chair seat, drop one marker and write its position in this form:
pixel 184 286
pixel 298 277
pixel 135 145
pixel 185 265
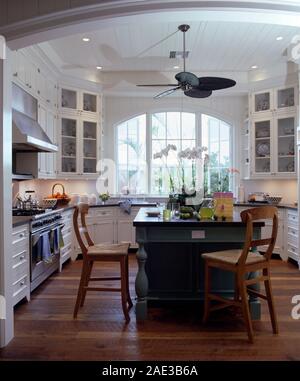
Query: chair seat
pixel 109 249
pixel 232 257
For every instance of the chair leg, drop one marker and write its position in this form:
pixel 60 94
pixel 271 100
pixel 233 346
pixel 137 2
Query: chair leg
pixel 269 294
pixel 87 278
pixel 129 301
pixel 124 294
pixel 245 309
pixel 207 282
pixel 80 288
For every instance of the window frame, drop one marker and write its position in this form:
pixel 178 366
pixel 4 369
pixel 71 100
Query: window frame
pixel 198 139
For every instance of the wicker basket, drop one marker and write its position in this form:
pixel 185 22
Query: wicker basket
pixel 61 201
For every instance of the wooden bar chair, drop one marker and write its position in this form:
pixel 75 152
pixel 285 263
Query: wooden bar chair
pixel 100 253
pixel 241 262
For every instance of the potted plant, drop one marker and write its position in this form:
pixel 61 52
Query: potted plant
pixel 104 197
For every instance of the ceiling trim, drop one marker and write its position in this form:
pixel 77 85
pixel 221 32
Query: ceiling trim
pixel 73 20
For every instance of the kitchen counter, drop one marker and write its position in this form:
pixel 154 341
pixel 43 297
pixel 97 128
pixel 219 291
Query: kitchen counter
pixel 255 204
pixel 22 220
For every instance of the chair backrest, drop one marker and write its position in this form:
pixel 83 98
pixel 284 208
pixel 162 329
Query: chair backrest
pixel 82 210
pixel 251 215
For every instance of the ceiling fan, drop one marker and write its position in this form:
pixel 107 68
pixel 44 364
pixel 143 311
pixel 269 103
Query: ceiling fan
pixel 189 83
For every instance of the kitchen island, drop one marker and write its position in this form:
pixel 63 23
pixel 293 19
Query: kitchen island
pixel 170 266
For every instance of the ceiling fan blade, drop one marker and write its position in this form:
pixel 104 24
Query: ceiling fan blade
pixel 215 83
pixel 188 78
pixel 159 85
pixel 196 93
pixel 167 92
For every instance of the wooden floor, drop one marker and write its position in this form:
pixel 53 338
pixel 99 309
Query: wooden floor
pixel 45 329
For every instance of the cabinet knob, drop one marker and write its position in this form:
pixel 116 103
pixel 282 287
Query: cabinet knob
pixel 22 283
pixel 15 74
pixel 38 91
pixel 22 257
pixel 21 235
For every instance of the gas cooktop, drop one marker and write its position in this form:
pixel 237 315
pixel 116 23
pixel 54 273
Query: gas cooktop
pixel 27 212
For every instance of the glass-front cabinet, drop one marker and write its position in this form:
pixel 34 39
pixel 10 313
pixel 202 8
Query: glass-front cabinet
pixel 281 99
pixel 79 146
pixel 79 102
pixel 273 147
pixel 286 144
pixel 262 146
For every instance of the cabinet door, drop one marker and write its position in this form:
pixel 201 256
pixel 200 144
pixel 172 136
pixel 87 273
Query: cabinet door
pixel 262 102
pixel 285 145
pixel 51 132
pixel 69 145
pixel 90 146
pixel 51 93
pixel 104 232
pixel 68 100
pixel 42 158
pixel 124 230
pixel 41 84
pixel 262 147
pixel 285 98
pixel 89 103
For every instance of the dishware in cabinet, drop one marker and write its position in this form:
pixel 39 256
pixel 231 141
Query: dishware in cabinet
pixel 69 137
pixel 69 100
pixel 262 147
pixel 285 152
pixel 261 102
pixel 285 99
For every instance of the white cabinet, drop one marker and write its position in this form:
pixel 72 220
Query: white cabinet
pixel 104 231
pixel 291 235
pixel 79 146
pixel 66 251
pixel 47 161
pixel 20 264
pixel 273 146
pixel 79 102
pixel 281 99
pixel 246 150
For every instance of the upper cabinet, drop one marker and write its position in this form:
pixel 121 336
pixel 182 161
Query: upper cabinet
pixel 34 79
pixel 282 99
pixel 272 134
pixel 79 102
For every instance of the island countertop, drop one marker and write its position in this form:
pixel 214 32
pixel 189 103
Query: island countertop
pixel 143 220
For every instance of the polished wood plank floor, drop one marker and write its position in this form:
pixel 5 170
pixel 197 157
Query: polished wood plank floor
pixel 45 329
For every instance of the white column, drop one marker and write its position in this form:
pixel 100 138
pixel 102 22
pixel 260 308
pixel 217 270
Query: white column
pixel 6 325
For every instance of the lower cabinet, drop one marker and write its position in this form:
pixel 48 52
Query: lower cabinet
pixel 291 235
pixel 20 264
pixel 67 233
pixel 103 231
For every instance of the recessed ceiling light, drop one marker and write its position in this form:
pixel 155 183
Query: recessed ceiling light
pixel 176 67
pixel 254 67
pixel 98 67
pixel 86 39
pixel 279 38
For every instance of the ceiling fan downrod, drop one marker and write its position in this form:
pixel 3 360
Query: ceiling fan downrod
pixel 184 28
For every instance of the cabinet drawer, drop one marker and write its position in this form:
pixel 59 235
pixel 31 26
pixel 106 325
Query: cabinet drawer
pixel 20 270
pixel 292 235
pixel 67 238
pixel 104 213
pixel 292 217
pixel 293 252
pixel 20 258
pixel 20 240
pixel 20 284
pixel 66 252
pixel 67 229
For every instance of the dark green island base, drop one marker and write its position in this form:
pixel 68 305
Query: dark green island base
pixel 170 265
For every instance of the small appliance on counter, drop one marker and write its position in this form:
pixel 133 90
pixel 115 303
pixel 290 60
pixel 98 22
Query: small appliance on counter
pixel 260 197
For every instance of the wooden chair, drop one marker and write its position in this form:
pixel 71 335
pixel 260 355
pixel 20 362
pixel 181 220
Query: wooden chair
pixel 100 253
pixel 240 262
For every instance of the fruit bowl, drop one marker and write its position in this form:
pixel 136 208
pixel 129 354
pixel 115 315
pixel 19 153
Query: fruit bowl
pixel 274 200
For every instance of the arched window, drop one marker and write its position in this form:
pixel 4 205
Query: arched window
pixel 141 168
pixel 131 156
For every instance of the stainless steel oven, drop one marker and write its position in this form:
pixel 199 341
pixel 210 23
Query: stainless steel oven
pixel 44 247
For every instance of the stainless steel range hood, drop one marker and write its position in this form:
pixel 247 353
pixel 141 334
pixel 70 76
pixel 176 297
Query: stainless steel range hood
pixel 28 135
